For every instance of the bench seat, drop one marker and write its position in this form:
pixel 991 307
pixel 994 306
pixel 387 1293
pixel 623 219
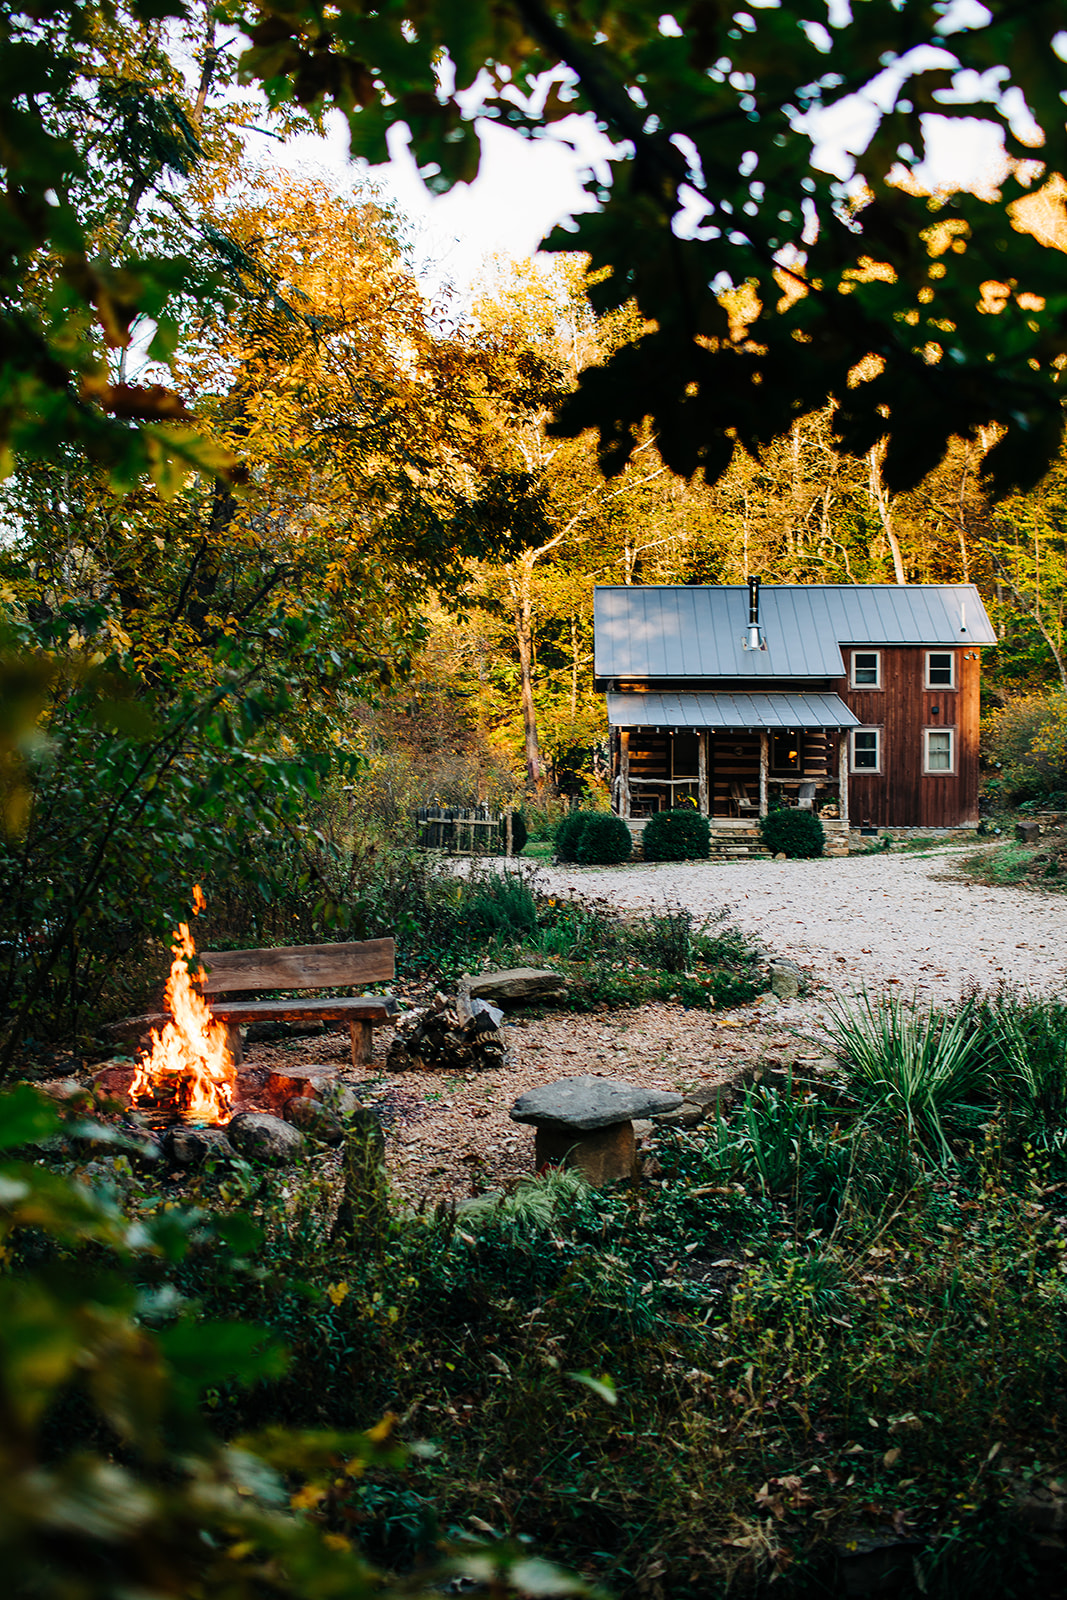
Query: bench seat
pixel 293 967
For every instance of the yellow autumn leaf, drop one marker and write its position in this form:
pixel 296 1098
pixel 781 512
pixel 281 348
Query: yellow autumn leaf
pixel 306 1498
pixel 336 1292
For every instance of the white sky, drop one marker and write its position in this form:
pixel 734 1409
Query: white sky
pixel 526 186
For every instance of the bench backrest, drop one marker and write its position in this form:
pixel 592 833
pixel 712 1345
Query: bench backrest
pixel 305 966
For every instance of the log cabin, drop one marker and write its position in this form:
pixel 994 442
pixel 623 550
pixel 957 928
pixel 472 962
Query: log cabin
pixel 858 701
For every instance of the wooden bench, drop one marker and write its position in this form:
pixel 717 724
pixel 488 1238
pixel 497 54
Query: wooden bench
pixel 307 966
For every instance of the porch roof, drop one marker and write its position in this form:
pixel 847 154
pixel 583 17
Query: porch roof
pixel 737 711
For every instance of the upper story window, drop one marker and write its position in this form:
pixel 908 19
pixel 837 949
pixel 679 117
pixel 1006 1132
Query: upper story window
pixel 866 669
pixel 940 669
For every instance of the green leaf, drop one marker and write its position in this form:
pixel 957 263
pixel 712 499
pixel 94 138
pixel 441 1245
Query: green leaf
pixel 603 1387
pixel 26 1116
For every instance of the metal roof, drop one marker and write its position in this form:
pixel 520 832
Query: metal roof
pixel 683 632
pixel 696 710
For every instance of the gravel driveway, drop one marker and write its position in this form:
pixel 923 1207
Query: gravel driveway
pixel 860 920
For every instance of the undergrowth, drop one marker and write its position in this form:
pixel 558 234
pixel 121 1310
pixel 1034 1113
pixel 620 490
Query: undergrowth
pixel 841 1306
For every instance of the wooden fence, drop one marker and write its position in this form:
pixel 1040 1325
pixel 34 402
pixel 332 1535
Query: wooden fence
pixel 464 831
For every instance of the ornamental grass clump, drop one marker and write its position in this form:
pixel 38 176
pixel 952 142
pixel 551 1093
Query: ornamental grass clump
pixel 793 833
pixel 922 1070
pixel 678 835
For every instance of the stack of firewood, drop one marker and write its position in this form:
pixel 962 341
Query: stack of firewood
pixel 453 1034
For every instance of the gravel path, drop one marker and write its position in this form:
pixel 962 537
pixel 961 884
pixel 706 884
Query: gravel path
pixel 859 921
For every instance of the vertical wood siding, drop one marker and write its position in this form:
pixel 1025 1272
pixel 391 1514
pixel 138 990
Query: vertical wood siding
pixel 902 794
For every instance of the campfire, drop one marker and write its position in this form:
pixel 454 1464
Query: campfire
pixel 189 1070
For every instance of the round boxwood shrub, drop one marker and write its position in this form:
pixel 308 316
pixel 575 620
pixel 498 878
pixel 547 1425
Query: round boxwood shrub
pixel 604 840
pixel 678 835
pixel 797 834
pixel 568 831
pixel 519 833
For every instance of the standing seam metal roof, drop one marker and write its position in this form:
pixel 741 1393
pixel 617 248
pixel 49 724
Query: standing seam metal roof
pixel 696 632
pixel 736 710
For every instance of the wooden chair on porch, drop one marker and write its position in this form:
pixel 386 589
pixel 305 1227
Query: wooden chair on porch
pixel 739 796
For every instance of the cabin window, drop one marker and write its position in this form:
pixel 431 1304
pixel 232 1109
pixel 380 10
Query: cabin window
pixel 866 669
pixel 940 669
pixel 785 751
pixel 939 754
pixel 866 749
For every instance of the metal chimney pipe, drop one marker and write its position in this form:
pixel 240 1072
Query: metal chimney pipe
pixel 754 640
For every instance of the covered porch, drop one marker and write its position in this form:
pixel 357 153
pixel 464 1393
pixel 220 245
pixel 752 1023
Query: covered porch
pixel 734 756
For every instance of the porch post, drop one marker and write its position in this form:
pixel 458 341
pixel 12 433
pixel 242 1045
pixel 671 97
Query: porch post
pixel 702 771
pixel 842 777
pixel 764 769
pixel 624 772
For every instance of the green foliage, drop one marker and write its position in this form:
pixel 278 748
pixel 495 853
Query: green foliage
pixel 603 841
pixel 678 835
pixel 733 90
pixel 793 832
pixel 500 903
pixel 1025 743
pixel 519 833
pixel 923 1071
pixel 110 1477
pixel 569 830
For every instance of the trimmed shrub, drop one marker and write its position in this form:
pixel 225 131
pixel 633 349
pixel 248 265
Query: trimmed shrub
pixel 797 834
pixel 604 840
pixel 678 835
pixel 568 831
pixel 519 833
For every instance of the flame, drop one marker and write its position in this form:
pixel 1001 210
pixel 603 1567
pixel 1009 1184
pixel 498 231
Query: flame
pixel 189 1064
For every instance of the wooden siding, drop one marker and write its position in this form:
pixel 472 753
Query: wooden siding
pixel 903 795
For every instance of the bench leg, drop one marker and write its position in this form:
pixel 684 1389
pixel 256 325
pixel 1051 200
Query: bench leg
pixel 233 1039
pixel 362 1036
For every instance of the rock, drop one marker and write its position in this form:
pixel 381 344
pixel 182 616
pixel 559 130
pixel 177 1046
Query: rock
pixel 1028 832
pixel 314 1118
pixel 587 1102
pixel 61 1088
pixel 341 1099
pixel 781 856
pixel 605 1155
pixel 713 1099
pixel 785 981
pixel 516 986
pixel 310 1080
pixel 190 1146
pixel 114 1078
pixel 643 1127
pixel 261 1137
pixel 875 1562
pixel 688 1115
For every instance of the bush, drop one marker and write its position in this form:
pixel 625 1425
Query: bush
pixel 1027 741
pixel 678 835
pixel 797 834
pixel 519 833
pixel 603 841
pixel 568 831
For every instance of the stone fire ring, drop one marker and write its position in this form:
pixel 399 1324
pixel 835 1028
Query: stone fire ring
pixel 587 1123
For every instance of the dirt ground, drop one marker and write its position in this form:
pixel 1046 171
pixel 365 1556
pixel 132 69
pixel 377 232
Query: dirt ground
pixel 451 1136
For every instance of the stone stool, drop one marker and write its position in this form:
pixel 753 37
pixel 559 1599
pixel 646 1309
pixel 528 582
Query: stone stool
pixel 587 1123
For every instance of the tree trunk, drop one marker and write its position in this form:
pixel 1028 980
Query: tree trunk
pixel 883 503
pixel 524 640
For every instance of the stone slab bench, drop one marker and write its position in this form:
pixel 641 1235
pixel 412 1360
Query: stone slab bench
pixel 309 966
pixel 587 1123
